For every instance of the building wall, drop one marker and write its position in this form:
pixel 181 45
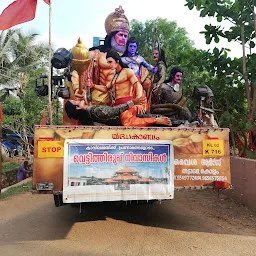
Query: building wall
pixel 243 179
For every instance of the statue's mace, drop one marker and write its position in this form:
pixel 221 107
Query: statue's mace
pixel 80 61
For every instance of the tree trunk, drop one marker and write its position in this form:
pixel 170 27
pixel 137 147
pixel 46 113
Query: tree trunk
pixel 232 139
pixel 247 86
pixel 1 147
pixel 24 131
pixel 253 110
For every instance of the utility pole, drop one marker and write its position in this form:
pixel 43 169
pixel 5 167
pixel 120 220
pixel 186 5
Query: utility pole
pixel 1 118
pixel 50 65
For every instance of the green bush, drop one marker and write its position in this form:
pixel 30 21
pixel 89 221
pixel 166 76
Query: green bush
pixel 9 166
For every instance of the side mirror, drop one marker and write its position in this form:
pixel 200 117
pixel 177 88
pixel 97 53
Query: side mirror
pixel 41 89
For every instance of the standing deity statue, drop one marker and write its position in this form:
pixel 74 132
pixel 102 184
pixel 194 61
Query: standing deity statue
pixel 160 76
pixel 133 60
pixel 139 66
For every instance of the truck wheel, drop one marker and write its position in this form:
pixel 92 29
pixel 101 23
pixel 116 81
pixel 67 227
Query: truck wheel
pixel 58 200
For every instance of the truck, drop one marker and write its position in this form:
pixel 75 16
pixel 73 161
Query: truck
pixel 97 163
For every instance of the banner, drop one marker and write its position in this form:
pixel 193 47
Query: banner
pixel 107 170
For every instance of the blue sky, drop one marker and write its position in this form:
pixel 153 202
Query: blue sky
pixel 85 19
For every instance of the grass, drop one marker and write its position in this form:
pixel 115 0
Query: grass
pixel 25 187
pixel 9 166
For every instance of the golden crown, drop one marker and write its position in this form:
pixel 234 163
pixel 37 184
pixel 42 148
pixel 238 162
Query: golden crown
pixel 117 21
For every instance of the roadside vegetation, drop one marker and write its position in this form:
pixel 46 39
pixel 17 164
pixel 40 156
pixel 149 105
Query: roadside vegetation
pixel 22 60
pixel 232 80
pixel 23 188
pixel 9 166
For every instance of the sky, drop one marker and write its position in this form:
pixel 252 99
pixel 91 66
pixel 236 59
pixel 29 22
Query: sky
pixel 85 19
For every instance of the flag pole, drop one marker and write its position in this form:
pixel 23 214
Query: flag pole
pixel 50 66
pixel 1 156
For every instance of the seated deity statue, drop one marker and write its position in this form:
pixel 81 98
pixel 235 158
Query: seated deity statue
pixel 171 99
pixel 99 71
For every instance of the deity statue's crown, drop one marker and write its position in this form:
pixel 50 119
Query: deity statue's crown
pixel 117 21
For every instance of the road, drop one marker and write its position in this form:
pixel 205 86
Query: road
pixel 194 223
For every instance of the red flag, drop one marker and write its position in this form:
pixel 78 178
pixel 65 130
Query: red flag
pixel 18 12
pixel 47 1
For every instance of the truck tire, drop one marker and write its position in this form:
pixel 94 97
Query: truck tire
pixel 58 200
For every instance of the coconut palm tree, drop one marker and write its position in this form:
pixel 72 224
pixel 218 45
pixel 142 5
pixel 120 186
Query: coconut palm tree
pixel 19 55
pixel 8 81
pixel 7 37
pixel 27 53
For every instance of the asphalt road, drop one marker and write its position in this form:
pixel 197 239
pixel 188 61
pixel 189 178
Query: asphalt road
pixel 194 223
